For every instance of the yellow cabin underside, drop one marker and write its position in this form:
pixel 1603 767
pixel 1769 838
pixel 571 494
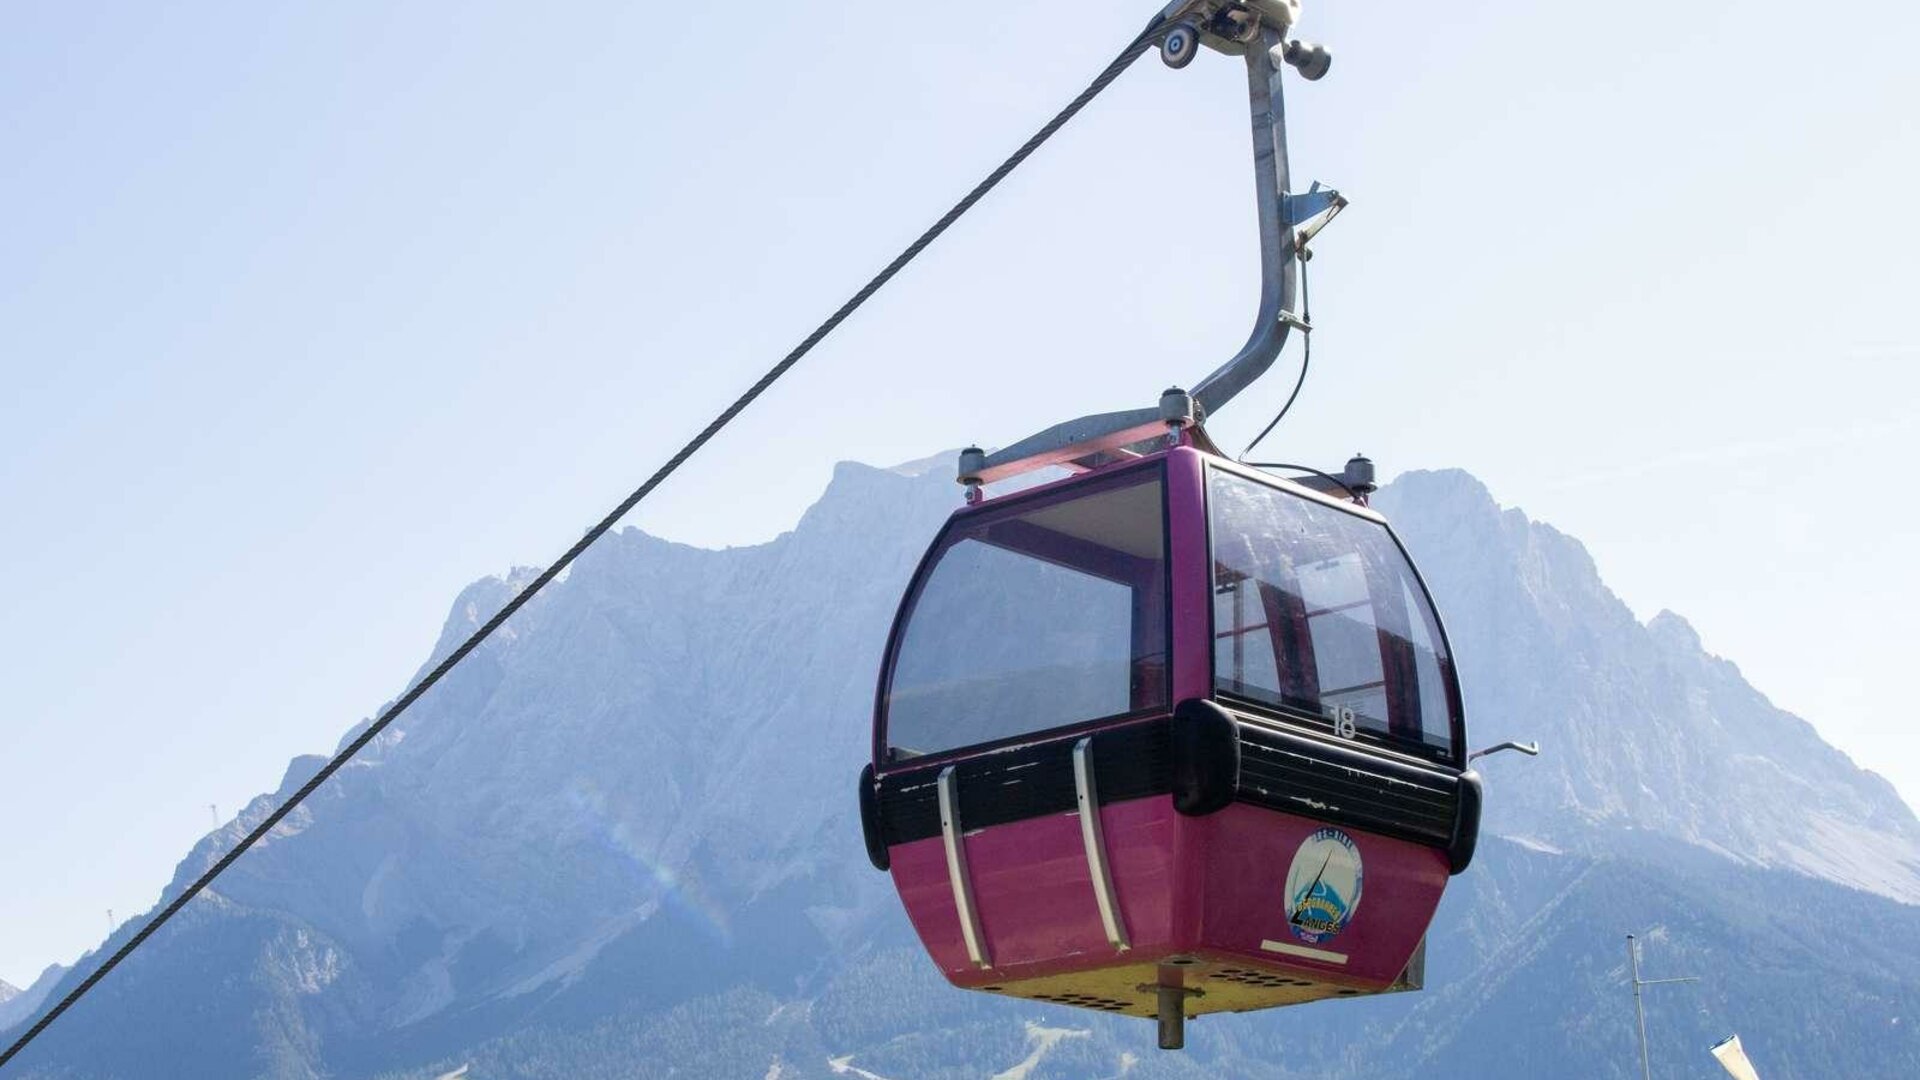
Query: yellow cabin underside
pixel 1230 985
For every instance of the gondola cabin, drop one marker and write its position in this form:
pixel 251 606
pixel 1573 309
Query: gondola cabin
pixel 1170 730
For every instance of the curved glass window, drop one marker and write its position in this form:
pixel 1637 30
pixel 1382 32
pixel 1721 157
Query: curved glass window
pixel 1047 613
pixel 1317 610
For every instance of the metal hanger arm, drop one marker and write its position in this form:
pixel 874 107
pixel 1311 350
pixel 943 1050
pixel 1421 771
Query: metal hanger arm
pixel 1257 32
pixel 1278 269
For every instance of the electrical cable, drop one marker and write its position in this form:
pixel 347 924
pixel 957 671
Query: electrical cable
pixel 1306 356
pixel 1112 71
pixel 1328 477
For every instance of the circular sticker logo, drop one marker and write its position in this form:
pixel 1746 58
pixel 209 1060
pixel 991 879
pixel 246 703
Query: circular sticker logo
pixel 1323 885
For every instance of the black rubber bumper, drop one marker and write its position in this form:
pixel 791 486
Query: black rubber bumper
pixel 1206 757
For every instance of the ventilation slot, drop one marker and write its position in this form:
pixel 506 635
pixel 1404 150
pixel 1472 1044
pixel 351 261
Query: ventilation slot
pixel 1262 979
pixel 1085 1001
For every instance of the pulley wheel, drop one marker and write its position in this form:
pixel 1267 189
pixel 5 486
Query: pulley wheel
pixel 1178 47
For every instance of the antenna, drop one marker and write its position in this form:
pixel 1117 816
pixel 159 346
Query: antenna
pixel 213 809
pixel 1640 1010
pixel 110 923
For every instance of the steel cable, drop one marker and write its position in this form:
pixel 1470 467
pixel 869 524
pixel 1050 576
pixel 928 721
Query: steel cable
pixel 1120 63
pixel 1306 361
pixel 1310 470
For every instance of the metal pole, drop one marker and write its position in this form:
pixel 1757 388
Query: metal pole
pixel 1173 1017
pixel 1639 1010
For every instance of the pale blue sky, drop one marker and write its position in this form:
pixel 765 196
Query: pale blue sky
pixel 309 317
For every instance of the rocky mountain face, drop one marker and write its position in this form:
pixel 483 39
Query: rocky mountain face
pixel 1649 731
pixel 621 840
pixel 17 1005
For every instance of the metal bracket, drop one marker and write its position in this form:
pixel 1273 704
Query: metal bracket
pixel 1312 212
pixel 1414 975
pixel 1170 1006
pixel 1086 443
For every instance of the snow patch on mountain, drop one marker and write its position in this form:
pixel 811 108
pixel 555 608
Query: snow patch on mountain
pixel 1042 1040
pixel 844 1066
pixel 1535 845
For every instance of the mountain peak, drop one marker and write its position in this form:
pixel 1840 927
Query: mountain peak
pixel 918 466
pixel 1672 629
pixel 17 1005
pixel 1454 485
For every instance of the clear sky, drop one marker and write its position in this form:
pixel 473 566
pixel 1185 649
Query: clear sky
pixel 310 316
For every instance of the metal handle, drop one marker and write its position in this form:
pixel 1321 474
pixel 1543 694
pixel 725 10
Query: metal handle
pixel 1531 749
